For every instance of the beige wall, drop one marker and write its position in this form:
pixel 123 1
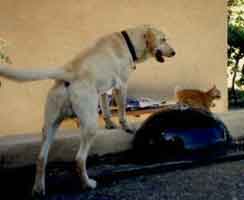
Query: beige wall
pixel 44 33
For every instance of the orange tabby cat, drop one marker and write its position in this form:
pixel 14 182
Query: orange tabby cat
pixel 197 98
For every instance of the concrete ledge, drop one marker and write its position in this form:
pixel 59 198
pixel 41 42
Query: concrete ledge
pixel 16 151
pixel 22 150
pixel 234 120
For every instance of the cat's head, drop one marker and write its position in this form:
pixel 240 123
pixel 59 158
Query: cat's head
pixel 214 92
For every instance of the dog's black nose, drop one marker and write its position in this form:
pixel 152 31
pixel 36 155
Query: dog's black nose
pixel 173 53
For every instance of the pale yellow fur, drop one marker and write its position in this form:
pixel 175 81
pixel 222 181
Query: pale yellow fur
pixel 106 64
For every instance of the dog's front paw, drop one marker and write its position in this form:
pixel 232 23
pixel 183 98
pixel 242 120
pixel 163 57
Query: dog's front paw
pixel 109 124
pixel 125 126
pixel 130 130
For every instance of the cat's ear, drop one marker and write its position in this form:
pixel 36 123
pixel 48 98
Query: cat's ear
pixel 177 89
pixel 213 88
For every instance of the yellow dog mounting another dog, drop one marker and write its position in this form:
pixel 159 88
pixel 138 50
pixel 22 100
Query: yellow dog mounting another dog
pixel 86 78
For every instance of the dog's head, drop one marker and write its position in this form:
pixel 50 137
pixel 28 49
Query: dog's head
pixel 156 44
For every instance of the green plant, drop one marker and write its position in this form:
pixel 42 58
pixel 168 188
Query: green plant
pixel 4 58
pixel 235 44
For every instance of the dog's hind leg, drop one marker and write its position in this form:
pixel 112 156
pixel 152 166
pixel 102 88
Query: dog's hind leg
pixel 120 98
pixel 51 123
pixel 84 103
pixel 87 135
pixel 104 103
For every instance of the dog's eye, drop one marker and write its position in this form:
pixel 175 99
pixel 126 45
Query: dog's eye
pixel 162 40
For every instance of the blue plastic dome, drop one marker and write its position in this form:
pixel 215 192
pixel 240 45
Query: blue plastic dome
pixel 176 133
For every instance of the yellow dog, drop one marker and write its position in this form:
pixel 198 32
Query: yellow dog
pixel 82 81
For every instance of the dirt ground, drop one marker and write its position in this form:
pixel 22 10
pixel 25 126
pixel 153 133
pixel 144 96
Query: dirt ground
pixel 215 182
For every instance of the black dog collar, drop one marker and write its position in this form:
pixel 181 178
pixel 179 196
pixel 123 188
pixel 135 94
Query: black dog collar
pixel 130 45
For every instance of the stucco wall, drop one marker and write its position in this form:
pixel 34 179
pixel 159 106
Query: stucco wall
pixel 48 33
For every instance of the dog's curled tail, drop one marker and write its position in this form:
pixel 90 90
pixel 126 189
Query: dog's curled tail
pixel 22 75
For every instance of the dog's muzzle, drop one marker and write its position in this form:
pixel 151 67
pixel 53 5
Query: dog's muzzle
pixel 159 56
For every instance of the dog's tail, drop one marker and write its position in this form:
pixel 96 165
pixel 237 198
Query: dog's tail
pixel 22 75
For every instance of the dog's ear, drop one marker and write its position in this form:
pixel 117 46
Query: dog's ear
pixel 150 39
